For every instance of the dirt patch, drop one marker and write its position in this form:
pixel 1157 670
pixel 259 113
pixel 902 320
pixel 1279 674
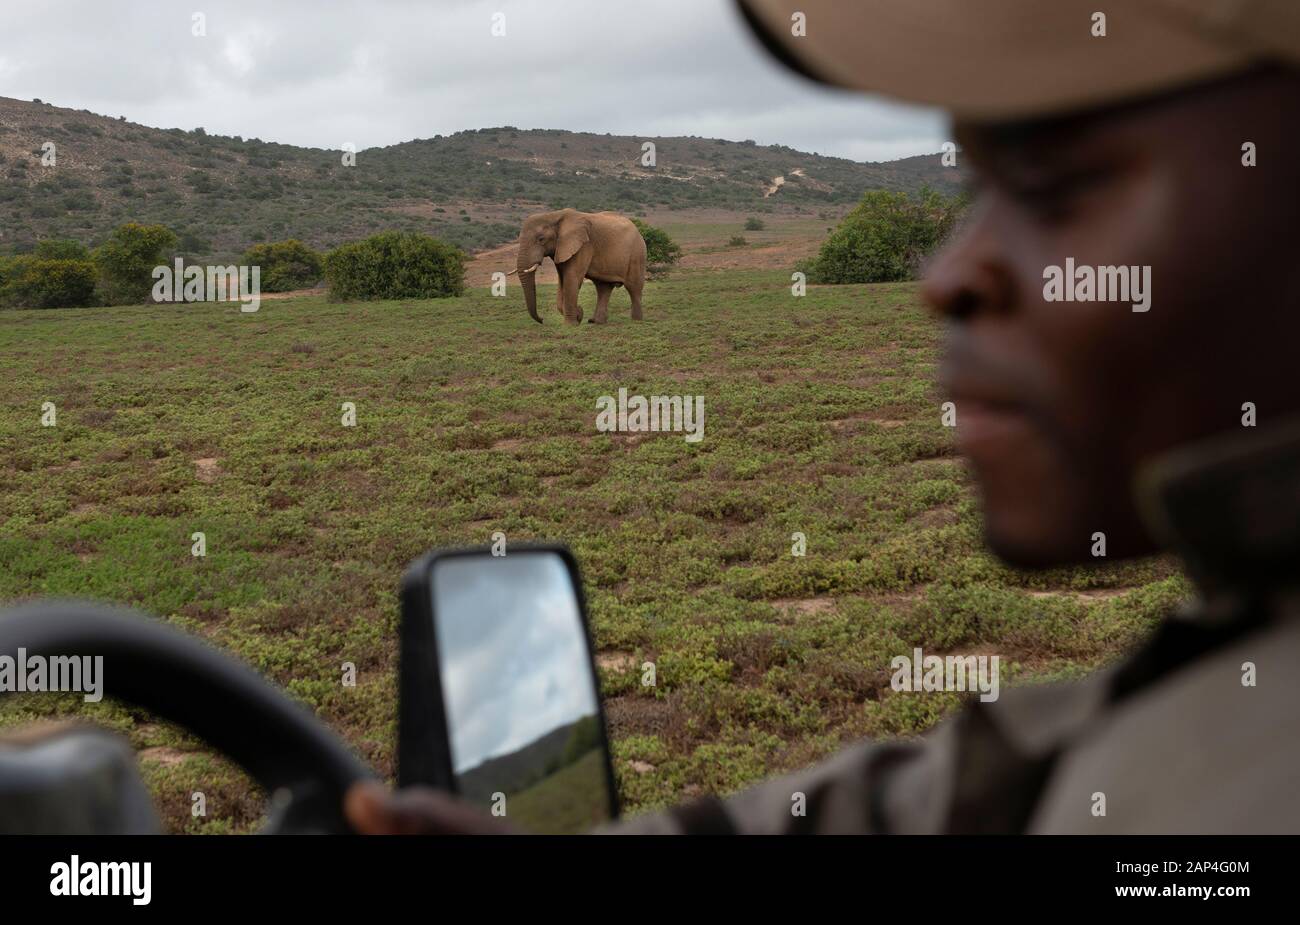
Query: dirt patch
pixel 778 256
pixel 480 267
pixel 804 606
pixel 882 418
pixel 1030 662
pixel 510 443
pixel 163 754
pixel 903 597
pixel 294 293
pixel 207 469
pixel 634 714
pixel 943 516
pixel 615 661
pixel 1091 596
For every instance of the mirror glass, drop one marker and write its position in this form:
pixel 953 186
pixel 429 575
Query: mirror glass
pixel 519 692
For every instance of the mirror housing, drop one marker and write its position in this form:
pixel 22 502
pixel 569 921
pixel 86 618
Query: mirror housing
pixel 445 641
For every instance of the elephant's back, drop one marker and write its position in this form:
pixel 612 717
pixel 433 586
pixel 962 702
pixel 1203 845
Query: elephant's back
pixel 626 227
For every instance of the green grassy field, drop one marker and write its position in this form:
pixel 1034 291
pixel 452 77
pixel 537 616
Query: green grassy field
pixel 820 419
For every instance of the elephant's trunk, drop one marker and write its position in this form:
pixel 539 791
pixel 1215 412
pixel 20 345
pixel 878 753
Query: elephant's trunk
pixel 528 280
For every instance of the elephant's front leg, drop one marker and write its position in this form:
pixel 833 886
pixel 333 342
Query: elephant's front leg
pixel 570 284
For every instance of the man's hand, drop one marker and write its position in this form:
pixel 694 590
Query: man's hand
pixel 372 809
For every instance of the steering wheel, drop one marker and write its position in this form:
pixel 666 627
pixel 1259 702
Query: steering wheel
pixel 303 765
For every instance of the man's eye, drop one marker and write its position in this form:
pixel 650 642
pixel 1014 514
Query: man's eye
pixel 1046 190
pixel 1053 195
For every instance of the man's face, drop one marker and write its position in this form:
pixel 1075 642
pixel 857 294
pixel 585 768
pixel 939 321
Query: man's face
pixel 1058 403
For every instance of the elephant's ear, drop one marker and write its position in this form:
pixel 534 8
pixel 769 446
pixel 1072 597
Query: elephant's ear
pixel 575 231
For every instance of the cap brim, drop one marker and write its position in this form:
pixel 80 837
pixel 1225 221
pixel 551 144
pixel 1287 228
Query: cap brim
pixel 992 60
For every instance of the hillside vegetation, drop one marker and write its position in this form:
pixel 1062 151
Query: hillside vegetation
pixel 471 189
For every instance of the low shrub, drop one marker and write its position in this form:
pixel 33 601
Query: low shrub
pixel 661 251
pixel 126 261
pixel 286 265
pixel 395 265
pixel 885 238
pixel 31 281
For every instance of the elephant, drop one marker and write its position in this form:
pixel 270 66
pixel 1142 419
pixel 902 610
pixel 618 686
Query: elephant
pixel 603 247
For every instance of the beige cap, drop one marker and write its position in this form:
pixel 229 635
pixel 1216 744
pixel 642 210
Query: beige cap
pixel 989 60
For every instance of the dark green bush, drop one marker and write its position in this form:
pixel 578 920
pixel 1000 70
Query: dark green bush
pixel 661 251
pixel 61 249
pixel 127 259
pixel 395 265
pixel 286 265
pixel 8 266
pixel 37 282
pixel 885 238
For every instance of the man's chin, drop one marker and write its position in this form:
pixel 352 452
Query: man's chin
pixel 1039 549
pixel 1033 553
pixel 1022 538
pixel 1032 521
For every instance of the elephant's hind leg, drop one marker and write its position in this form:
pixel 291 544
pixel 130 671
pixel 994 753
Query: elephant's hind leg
pixel 603 292
pixel 634 290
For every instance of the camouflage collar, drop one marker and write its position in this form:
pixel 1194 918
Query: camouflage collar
pixel 1230 509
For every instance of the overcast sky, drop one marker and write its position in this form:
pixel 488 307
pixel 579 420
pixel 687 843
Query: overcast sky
pixel 378 72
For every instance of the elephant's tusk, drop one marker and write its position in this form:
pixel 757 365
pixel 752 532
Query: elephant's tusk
pixel 529 270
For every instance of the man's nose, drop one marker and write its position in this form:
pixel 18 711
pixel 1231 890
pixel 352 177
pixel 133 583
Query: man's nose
pixel 968 275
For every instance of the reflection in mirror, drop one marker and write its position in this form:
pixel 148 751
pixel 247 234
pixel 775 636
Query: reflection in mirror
pixel 518 691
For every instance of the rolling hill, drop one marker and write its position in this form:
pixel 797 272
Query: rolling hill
pixel 221 194
pixel 525 766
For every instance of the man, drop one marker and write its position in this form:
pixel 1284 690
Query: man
pixel 1146 401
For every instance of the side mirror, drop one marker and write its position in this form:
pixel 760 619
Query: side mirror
pixel 499 697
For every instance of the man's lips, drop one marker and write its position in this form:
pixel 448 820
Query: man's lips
pixel 991 396
pixel 984 423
